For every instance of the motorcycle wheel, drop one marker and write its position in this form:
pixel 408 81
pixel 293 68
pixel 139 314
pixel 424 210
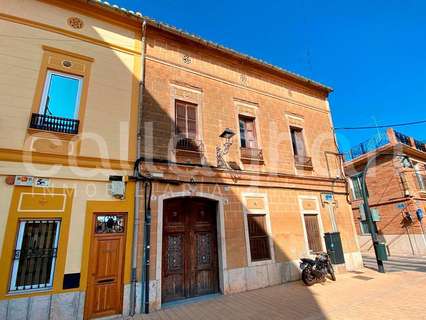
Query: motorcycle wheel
pixel 307 277
pixel 331 271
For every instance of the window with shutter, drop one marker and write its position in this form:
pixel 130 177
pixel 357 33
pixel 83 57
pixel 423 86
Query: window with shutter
pixel 313 232
pixel 258 237
pixel 186 119
pixel 247 132
pixel 298 141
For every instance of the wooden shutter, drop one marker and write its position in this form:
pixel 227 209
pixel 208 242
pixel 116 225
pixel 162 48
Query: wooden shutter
pixel 313 232
pixel 186 119
pixel 259 239
pixel 298 142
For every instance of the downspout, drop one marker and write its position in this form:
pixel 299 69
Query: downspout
pixel 138 182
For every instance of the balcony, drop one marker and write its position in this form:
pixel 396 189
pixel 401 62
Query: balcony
pixel 189 150
pixel 371 144
pixel 303 162
pixel 251 155
pixel 402 138
pixel 54 124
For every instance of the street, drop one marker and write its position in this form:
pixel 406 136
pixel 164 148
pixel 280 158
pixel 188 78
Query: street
pixel 363 294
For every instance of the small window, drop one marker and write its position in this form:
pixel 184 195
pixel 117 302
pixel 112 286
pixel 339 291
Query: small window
pixel 298 141
pixel 186 119
pixel 357 186
pixel 247 132
pixel 35 255
pixel 61 95
pixel 365 228
pixel 258 237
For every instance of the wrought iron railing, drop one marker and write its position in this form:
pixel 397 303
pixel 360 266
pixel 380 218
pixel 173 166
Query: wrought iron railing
pixel 371 144
pixel 188 144
pixel 420 145
pixel 252 154
pixel 303 161
pixel 55 124
pixel 402 138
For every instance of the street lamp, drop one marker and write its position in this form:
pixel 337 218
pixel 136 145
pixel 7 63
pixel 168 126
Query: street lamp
pixel 227 134
pixel 367 209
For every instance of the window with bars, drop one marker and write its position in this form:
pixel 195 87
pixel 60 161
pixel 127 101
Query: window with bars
pixel 313 232
pixel 247 132
pixel 35 255
pixel 258 237
pixel 186 119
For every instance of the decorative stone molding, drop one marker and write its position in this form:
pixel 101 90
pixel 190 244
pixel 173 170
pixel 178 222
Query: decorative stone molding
pixel 75 22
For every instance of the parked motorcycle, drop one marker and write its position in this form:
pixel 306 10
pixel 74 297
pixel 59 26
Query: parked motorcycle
pixel 314 271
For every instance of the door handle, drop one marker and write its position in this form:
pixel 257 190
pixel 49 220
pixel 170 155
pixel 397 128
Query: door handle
pixel 105 281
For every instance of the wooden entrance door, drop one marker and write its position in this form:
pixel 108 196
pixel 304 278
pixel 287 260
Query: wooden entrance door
pixel 105 278
pixel 313 232
pixel 189 262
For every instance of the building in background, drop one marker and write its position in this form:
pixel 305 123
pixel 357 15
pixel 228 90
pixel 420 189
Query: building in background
pixel 396 188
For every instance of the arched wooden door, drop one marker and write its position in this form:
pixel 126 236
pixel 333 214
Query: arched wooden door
pixel 190 259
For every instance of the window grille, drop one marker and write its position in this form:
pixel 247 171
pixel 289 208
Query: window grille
pixel 35 255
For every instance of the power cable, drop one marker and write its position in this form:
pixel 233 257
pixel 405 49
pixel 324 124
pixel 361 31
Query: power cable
pixel 383 126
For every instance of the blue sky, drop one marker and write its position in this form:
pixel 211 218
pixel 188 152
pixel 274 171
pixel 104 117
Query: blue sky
pixel 373 53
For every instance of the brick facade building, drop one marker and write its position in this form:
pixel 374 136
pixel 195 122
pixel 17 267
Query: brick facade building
pixel 266 197
pixel 397 190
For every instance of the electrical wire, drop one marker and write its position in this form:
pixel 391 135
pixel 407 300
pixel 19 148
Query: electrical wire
pixel 382 126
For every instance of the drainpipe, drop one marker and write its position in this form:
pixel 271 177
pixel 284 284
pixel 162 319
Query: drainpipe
pixel 138 182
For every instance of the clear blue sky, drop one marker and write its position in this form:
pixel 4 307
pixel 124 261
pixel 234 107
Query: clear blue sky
pixel 373 53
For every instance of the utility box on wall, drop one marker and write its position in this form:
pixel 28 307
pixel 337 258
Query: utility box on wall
pixel 334 247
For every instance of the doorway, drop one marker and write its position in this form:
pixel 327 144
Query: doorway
pixel 104 295
pixel 190 251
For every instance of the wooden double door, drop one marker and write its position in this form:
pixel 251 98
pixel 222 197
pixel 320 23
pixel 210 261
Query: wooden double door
pixel 189 258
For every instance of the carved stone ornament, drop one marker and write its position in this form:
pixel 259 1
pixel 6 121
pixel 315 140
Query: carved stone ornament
pixel 75 22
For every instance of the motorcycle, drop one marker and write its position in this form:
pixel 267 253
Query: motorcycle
pixel 314 271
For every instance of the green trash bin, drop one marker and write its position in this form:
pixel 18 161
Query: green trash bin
pixel 381 251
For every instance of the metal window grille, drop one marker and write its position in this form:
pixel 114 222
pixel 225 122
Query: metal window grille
pixel 35 255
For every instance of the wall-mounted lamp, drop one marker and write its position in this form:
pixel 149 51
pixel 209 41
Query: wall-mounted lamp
pixel 227 134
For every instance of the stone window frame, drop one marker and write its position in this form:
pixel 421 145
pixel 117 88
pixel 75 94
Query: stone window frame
pixel 317 212
pixel 266 212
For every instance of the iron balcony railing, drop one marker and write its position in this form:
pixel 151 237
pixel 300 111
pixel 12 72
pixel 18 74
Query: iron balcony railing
pixel 188 144
pixel 252 154
pixel 55 124
pixel 402 138
pixel 303 161
pixel 420 145
pixel 371 144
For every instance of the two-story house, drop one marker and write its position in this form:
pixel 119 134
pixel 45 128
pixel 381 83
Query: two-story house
pixel 246 177
pixel 69 98
pixel 396 183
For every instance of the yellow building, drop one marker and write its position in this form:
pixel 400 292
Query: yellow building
pixel 69 88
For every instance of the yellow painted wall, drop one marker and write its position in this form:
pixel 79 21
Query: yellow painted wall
pixel 108 108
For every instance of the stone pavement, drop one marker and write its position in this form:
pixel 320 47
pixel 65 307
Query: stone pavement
pixel 364 294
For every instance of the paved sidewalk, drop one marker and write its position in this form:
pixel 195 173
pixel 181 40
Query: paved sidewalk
pixel 356 295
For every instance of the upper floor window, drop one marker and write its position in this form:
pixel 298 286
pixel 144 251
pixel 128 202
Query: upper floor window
pixel 186 119
pixel 420 175
pixel 298 141
pixel 61 95
pixel 247 132
pixel 357 186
